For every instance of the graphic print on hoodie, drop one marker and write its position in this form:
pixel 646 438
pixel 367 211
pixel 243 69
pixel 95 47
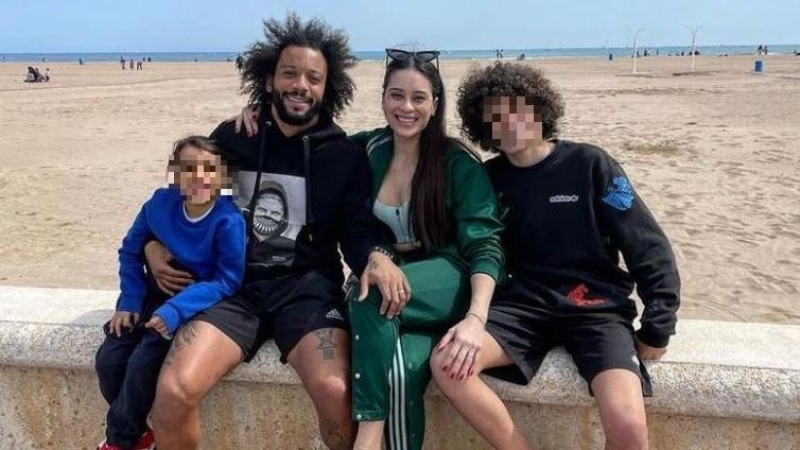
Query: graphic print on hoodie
pixel 278 215
pixel 302 197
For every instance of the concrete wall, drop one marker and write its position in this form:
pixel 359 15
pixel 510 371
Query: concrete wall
pixel 721 386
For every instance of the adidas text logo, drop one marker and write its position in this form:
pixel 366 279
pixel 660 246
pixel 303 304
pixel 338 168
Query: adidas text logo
pixel 564 199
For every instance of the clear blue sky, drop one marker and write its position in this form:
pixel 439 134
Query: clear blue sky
pixel 204 25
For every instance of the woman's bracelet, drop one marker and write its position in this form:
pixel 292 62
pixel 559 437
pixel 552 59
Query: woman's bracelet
pixel 478 316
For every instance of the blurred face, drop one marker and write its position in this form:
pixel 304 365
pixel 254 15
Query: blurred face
pixel 270 215
pixel 298 86
pixel 514 123
pixel 408 103
pixel 200 175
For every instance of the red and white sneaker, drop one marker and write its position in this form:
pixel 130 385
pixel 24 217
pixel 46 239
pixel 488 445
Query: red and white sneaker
pixel 146 442
pixel 106 446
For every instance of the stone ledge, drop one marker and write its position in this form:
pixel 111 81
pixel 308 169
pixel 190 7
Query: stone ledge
pixel 713 369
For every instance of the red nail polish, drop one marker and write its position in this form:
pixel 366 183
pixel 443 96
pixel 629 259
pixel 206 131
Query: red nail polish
pixel 444 368
pixel 451 376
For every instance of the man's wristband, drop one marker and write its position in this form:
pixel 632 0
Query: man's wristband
pixel 384 251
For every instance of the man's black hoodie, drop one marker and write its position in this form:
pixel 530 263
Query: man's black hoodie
pixel 301 196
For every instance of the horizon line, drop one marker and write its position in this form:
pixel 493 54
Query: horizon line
pixel 381 50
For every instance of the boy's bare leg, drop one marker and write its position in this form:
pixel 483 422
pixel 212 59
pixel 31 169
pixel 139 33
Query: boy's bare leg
pixel 477 402
pixel 322 361
pixel 619 397
pixel 200 356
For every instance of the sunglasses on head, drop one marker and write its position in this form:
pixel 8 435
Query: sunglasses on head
pixel 424 56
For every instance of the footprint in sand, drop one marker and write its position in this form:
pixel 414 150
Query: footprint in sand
pixel 769 283
pixel 688 255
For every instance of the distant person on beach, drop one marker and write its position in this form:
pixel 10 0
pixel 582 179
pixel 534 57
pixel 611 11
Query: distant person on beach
pixel 760 49
pixel 436 206
pixel 766 50
pixel 569 212
pixel 30 76
pixel 122 62
pixel 239 62
pixel 46 76
pixel 80 61
pixel 130 64
pixel 305 191
pixel 204 231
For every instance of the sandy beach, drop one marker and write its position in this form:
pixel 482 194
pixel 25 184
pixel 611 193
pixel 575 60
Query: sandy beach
pixel 715 155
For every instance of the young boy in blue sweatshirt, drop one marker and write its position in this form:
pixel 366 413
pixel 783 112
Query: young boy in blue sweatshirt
pixel 205 233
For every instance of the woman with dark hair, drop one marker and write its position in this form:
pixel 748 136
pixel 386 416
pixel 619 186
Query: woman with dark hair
pixel 436 205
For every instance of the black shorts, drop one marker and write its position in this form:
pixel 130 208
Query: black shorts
pixel 596 341
pixel 284 308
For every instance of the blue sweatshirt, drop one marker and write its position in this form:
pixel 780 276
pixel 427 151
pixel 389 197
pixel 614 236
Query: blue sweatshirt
pixel 212 249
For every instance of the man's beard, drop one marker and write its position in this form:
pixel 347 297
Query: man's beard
pixel 292 118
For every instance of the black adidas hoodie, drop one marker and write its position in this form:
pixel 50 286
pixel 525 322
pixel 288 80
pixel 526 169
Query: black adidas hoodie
pixel 301 196
pixel 568 218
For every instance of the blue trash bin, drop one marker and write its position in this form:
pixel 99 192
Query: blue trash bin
pixel 759 66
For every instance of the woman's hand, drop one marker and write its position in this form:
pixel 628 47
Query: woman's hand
pixel 168 279
pixel 462 343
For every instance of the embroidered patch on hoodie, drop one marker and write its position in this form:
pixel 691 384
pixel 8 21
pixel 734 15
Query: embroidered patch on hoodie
pixel 619 194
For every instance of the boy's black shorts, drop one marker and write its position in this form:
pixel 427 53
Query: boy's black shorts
pixel 596 341
pixel 284 308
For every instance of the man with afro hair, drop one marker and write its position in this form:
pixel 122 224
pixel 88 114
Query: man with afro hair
pixel 304 190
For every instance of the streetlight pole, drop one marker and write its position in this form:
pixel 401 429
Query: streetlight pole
pixel 694 31
pixel 635 36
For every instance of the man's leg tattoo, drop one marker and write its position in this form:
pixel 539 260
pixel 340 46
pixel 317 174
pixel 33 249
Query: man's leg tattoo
pixel 185 337
pixel 326 346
